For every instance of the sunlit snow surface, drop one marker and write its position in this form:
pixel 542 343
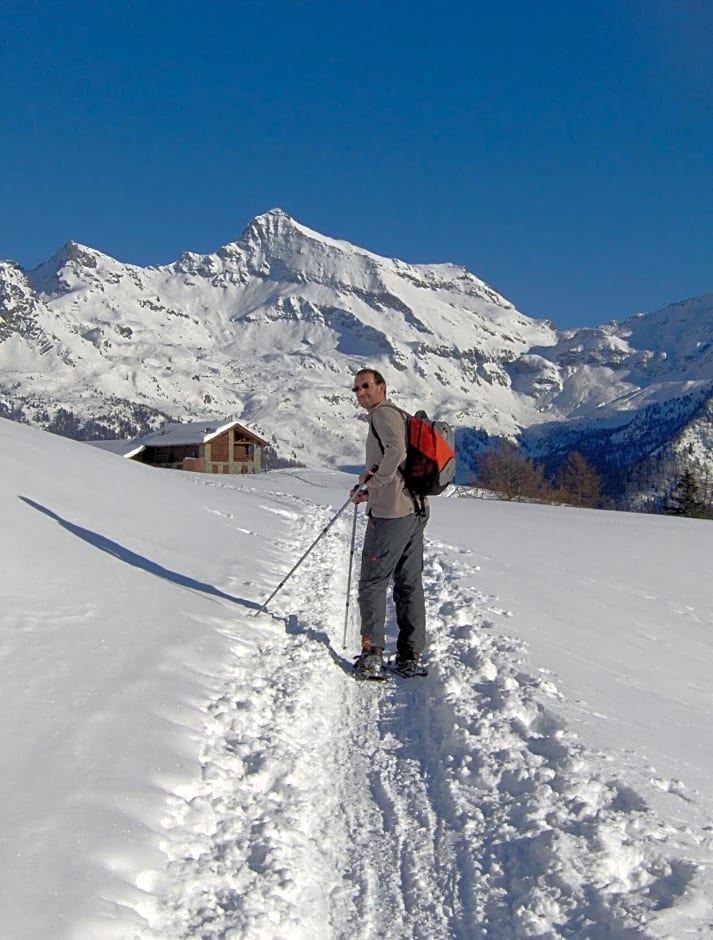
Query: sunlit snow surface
pixel 175 767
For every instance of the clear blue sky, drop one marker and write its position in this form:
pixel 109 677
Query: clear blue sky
pixel 561 151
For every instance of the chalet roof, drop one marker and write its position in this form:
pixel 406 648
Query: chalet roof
pixel 174 434
pixel 123 448
pixel 195 432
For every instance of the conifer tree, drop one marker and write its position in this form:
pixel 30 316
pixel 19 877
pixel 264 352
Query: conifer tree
pixel 685 499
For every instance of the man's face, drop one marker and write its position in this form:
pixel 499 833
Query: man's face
pixel 367 392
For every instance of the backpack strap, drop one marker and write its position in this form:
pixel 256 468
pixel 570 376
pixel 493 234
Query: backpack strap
pixel 404 414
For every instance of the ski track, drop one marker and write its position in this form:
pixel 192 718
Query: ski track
pixel 455 807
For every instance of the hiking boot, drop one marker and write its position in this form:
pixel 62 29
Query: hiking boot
pixel 408 666
pixel 369 664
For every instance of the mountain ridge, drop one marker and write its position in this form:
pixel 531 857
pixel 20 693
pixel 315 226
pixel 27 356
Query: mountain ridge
pixel 269 328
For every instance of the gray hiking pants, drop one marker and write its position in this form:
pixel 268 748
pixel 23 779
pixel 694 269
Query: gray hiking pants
pixel 393 548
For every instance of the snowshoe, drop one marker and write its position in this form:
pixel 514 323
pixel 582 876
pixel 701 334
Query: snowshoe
pixel 369 665
pixel 407 668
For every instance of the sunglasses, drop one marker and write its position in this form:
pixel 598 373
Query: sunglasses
pixel 358 388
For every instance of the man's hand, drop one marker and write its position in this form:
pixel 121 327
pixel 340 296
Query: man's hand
pixel 359 493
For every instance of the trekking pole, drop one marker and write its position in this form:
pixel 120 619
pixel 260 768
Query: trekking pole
pixel 359 489
pixel 297 564
pixel 349 575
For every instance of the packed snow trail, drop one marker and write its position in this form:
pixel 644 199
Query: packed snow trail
pixel 456 807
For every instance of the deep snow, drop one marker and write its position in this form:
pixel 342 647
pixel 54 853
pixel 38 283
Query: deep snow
pixel 175 766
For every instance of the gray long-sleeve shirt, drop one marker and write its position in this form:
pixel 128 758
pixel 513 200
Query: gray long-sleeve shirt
pixel 388 498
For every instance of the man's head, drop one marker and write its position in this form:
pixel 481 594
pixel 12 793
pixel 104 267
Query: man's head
pixel 369 387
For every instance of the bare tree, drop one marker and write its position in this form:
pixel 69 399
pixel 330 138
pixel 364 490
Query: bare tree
pixel 507 471
pixel 578 483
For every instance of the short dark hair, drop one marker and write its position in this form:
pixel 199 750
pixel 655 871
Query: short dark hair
pixel 377 376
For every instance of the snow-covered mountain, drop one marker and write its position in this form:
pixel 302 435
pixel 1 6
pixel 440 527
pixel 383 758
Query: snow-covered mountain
pixel 270 328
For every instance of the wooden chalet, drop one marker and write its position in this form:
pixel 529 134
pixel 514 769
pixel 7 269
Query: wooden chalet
pixel 203 447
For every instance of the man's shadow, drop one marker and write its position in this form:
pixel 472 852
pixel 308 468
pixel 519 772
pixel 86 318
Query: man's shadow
pixel 294 628
pixel 138 561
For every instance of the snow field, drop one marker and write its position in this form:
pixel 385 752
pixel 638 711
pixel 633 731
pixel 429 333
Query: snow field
pixel 560 850
pixel 175 767
pixel 456 806
pixel 252 848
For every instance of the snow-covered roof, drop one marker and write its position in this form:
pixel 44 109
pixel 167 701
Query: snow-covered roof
pixel 195 432
pixel 120 447
pixel 175 434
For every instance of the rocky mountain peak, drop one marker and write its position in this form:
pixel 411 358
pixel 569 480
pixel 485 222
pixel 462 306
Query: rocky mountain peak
pixel 269 328
pixel 72 264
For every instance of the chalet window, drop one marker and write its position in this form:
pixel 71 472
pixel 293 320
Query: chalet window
pixel 243 451
pixel 219 448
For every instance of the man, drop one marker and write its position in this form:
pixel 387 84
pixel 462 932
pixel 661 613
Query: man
pixel 393 544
